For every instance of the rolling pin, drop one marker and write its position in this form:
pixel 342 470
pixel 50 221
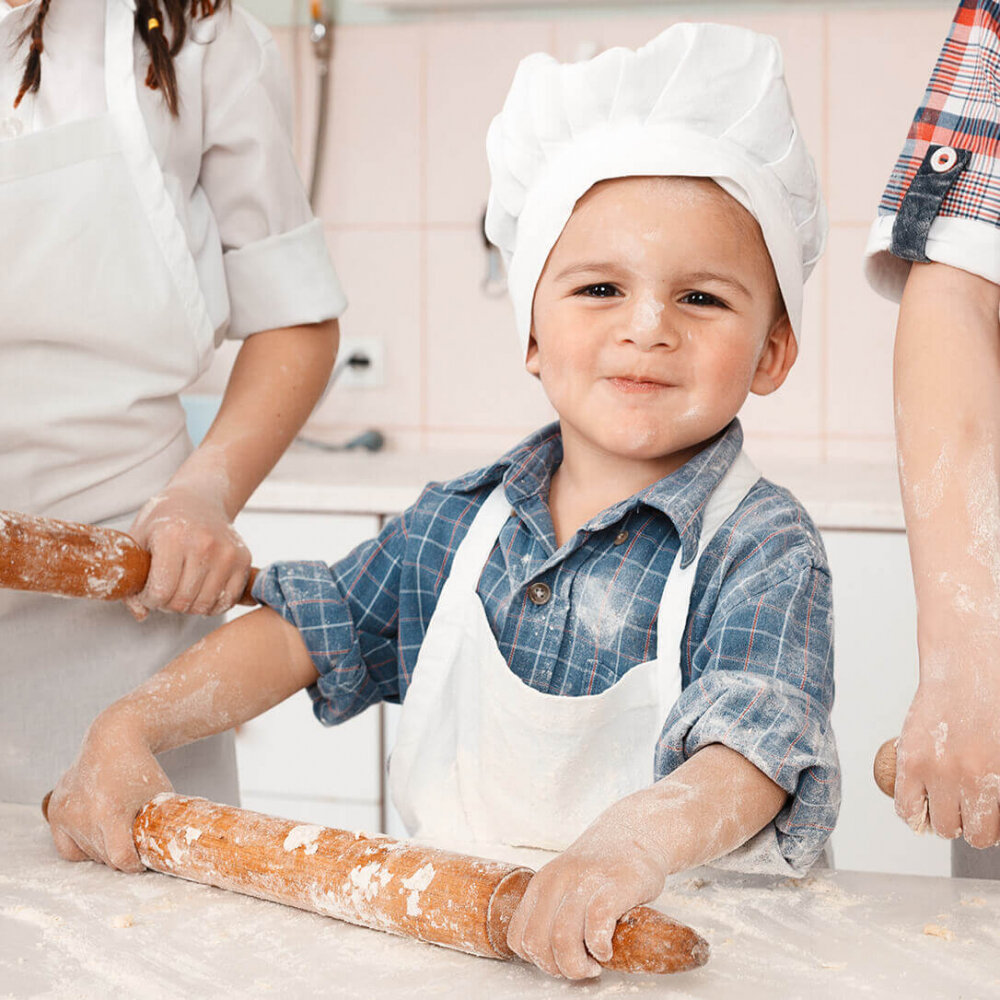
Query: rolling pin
pixel 459 902
pixel 74 560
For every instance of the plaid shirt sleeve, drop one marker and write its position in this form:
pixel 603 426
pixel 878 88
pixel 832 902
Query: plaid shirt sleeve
pixel 758 673
pixel 942 201
pixel 348 616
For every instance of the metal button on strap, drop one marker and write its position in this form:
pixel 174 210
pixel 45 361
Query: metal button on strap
pixel 539 593
pixel 943 160
pixel 941 169
pixel 622 537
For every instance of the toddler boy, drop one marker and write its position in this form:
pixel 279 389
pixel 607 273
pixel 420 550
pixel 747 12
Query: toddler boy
pixel 615 641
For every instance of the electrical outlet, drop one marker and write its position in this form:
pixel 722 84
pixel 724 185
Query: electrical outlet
pixel 356 377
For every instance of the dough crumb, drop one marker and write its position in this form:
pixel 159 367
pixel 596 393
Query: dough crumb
pixel 973 901
pixel 833 965
pixel 936 930
pixel 123 920
pixel 697 883
pixel 819 885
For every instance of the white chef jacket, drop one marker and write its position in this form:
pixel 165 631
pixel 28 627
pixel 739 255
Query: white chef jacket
pixel 228 164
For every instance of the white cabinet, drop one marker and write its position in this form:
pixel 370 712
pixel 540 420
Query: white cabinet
pixel 289 764
pixel 876 671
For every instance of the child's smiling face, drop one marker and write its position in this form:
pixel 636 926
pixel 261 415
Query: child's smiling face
pixel 656 314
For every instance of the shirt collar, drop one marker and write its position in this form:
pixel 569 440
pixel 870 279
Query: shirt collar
pixel 526 471
pixel 682 495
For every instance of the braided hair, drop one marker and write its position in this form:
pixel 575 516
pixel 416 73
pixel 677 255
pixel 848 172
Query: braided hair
pixel 151 27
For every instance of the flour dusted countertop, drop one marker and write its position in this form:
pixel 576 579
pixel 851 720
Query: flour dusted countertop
pixel 837 495
pixel 83 931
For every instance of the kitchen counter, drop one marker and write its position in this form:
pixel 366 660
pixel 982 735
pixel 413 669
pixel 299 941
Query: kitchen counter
pixel 84 931
pixel 837 495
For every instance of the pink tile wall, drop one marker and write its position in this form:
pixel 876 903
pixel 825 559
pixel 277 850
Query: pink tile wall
pixel 406 181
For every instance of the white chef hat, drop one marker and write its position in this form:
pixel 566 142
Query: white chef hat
pixel 699 100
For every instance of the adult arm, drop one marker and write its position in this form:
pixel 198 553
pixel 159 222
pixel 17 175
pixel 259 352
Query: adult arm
pixel 200 563
pixel 947 394
pixel 282 294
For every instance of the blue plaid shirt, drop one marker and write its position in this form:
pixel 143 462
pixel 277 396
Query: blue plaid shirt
pixel 757 660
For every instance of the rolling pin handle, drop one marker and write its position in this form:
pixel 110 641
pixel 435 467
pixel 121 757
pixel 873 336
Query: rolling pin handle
pixel 45 806
pixel 248 599
pixel 884 769
pixel 644 940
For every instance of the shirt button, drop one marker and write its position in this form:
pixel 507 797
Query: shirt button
pixel 11 128
pixel 943 160
pixel 621 538
pixel 539 593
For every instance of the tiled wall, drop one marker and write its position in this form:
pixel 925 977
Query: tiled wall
pixel 406 181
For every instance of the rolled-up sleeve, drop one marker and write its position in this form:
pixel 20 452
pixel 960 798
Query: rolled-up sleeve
pixel 761 683
pixel 277 266
pixel 348 617
pixel 942 200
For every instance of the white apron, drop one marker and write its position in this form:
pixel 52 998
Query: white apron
pixel 483 757
pixel 102 324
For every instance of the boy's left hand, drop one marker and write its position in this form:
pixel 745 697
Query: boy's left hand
pixel 572 905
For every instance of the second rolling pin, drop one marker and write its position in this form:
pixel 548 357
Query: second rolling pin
pixel 74 560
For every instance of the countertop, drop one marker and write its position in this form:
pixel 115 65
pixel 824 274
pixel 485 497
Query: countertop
pixel 84 931
pixel 838 495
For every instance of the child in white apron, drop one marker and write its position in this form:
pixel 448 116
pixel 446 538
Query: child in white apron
pixel 149 207
pixel 616 640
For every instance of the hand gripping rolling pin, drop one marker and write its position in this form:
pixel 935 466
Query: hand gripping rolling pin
pixel 74 560
pixel 448 899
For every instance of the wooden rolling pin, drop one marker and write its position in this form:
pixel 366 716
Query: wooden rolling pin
pixel 74 560
pixel 885 767
pixel 448 899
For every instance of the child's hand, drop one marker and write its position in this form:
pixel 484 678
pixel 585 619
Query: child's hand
pixel 571 907
pixel 200 563
pixel 95 802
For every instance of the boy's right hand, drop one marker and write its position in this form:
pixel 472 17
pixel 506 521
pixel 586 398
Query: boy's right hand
pixel 93 806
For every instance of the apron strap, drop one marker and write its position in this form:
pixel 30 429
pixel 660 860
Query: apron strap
pixel 675 604
pixel 474 550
